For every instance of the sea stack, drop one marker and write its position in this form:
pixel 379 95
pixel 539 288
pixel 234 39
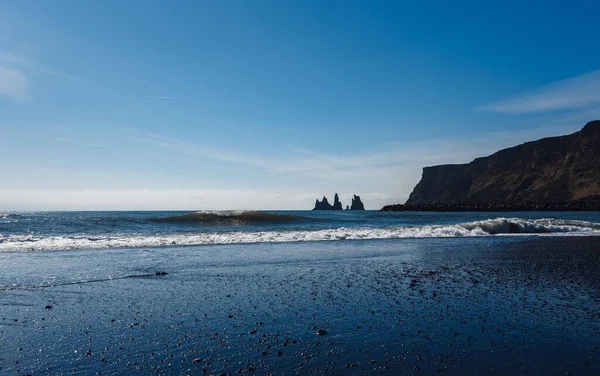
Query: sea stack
pixel 337 204
pixel 357 203
pixel 325 205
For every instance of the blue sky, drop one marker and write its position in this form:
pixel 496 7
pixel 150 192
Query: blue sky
pixel 270 104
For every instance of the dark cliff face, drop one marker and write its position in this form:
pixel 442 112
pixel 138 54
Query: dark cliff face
pixel 555 169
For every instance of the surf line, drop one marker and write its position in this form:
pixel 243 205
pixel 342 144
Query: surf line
pixel 33 287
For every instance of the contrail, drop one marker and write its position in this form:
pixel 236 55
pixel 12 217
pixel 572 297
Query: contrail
pixel 157 97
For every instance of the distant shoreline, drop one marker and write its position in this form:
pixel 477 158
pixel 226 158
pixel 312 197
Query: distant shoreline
pixel 516 207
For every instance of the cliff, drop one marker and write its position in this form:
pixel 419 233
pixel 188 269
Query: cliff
pixel 551 170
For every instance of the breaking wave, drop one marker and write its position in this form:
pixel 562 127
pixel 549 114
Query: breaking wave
pixel 232 217
pixel 490 227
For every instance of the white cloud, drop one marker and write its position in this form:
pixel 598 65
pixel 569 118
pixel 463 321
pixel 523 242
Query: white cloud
pixel 575 92
pixel 14 84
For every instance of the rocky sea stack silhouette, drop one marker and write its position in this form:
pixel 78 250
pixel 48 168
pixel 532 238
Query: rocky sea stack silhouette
pixel 357 203
pixel 337 204
pixel 554 173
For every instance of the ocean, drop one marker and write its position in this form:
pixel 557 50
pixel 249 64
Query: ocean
pixel 62 231
pixel 299 292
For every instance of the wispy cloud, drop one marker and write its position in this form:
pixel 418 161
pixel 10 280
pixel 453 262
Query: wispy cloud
pixel 28 64
pixel 184 147
pixel 157 97
pixel 301 161
pixel 393 168
pixel 14 84
pixel 17 72
pixel 289 177
pixel 575 92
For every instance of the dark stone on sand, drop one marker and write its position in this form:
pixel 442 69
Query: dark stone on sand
pixel 48 307
pixel 321 332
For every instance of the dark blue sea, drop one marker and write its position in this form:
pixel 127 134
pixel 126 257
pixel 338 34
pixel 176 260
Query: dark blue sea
pixel 299 292
pixel 63 231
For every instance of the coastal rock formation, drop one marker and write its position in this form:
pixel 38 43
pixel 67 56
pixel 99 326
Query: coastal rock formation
pixel 357 203
pixel 337 204
pixel 325 205
pixel 551 171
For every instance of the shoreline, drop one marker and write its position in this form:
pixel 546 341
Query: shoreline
pixel 314 308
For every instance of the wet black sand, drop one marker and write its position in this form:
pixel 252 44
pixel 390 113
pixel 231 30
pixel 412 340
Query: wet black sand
pixel 451 306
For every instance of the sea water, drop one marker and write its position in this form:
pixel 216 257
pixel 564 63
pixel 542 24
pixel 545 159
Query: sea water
pixel 63 231
pixel 249 293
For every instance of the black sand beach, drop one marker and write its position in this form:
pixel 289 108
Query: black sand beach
pixel 421 306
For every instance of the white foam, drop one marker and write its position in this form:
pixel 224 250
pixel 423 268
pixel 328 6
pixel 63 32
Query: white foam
pixel 490 227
